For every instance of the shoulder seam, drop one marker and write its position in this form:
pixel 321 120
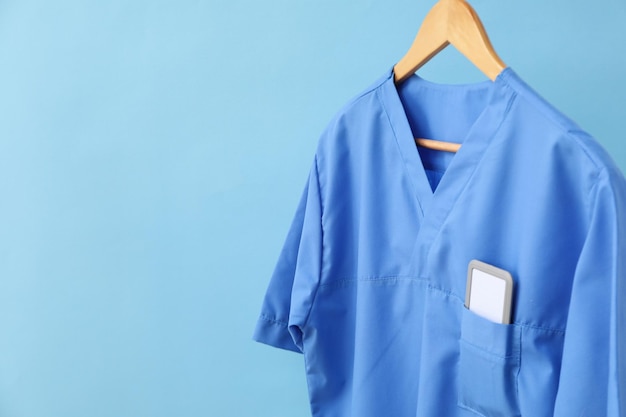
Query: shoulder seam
pixel 368 91
pixel 569 131
pixel 305 322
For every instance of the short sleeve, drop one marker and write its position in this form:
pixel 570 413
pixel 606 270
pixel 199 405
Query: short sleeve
pixel 293 284
pixel 593 370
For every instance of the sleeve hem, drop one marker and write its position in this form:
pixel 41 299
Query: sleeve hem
pixel 274 333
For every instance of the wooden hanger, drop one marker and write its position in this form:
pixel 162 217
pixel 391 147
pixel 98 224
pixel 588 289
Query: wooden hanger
pixel 449 22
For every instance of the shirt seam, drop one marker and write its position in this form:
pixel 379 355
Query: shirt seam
pixel 584 148
pixel 591 198
pixel 489 353
pixel 373 89
pixel 321 260
pixel 389 278
pixel 568 129
pixel 346 281
pixel 618 289
pixel 397 138
pixel 462 405
pixel 273 320
pixel 504 117
pixel 540 104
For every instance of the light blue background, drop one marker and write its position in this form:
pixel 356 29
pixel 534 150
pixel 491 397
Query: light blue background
pixel 151 157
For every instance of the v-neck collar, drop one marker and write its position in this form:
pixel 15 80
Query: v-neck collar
pixel 477 139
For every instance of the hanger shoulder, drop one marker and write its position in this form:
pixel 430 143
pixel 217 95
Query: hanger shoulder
pixel 431 38
pixel 450 22
pixel 468 35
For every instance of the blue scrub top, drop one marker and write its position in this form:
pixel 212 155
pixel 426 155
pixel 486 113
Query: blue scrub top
pixel 371 282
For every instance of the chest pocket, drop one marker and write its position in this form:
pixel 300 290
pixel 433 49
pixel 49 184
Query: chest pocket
pixel 488 367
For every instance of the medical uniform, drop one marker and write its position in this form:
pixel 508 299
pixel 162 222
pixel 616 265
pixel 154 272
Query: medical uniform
pixel 371 282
